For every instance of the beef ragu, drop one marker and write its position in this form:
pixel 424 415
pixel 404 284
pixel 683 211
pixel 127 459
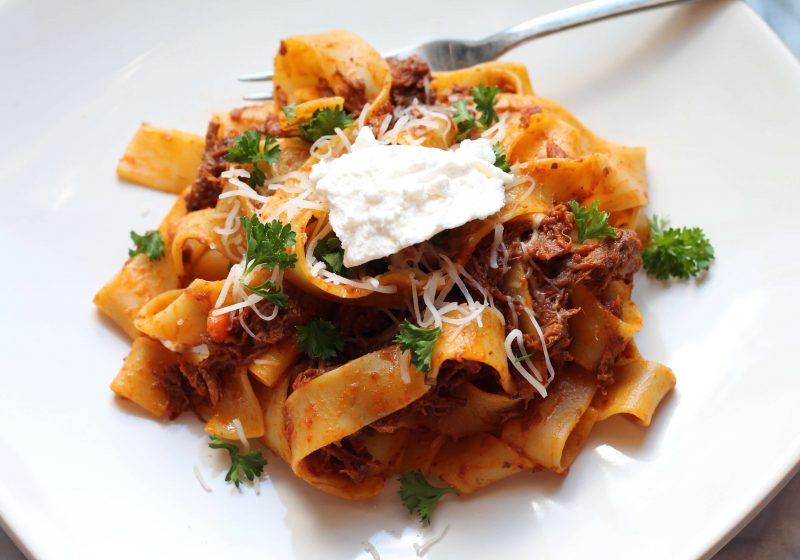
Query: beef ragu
pixel 553 266
pixel 206 188
pixel 491 325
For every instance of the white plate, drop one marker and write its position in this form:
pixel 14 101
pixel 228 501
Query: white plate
pixel 706 88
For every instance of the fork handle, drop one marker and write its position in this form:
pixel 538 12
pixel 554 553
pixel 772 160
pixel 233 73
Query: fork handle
pixel 574 16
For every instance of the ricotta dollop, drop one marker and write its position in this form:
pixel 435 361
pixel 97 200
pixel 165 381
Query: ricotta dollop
pixel 384 198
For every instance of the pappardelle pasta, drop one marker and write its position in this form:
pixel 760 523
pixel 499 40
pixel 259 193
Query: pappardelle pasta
pixel 319 287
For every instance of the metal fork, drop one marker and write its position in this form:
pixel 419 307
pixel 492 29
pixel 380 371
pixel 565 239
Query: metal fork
pixel 453 54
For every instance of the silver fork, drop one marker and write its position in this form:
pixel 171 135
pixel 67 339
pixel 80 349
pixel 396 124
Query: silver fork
pixel 452 54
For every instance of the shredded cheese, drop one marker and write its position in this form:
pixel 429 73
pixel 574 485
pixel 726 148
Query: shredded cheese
pixel 550 371
pixel 370 548
pixel 516 335
pixel 404 374
pixel 237 425
pixel 422 548
pixel 362 117
pixel 199 476
pixel 348 146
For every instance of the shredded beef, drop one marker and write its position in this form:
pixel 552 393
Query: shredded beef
pixel 442 398
pixel 206 187
pixel 553 265
pixel 348 457
pixel 611 259
pixel 206 380
pixel 177 390
pixel 240 347
pixel 205 383
pixel 552 238
pixel 354 92
pixel 408 79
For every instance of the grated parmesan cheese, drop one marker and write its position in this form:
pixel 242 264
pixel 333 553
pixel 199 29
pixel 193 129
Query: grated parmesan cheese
pixel 237 425
pixel 516 335
pixel 405 357
pixel 370 548
pixel 199 476
pixel 423 547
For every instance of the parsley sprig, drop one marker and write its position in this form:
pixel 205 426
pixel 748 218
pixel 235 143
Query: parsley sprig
pixel 485 98
pixel 591 222
pixel 500 160
pixel 290 112
pixel 324 122
pixel 248 465
pixel 420 342
pixel 150 244
pixel 267 243
pixel 270 292
pixel 418 495
pixel 247 149
pixel 676 253
pixel 320 339
pixel 464 118
pixel 330 252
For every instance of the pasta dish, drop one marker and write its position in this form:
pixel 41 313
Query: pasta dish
pixel 389 271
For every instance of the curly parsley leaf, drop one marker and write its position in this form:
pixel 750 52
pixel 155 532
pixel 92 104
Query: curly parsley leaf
pixel 418 495
pixel 676 253
pixel 591 222
pixel 420 342
pixel 250 465
pixel 485 98
pixel 290 111
pixel 324 122
pixel 266 244
pixel 320 339
pixel 464 119
pixel 500 158
pixel 331 253
pixel 150 244
pixel 247 149
pixel 270 292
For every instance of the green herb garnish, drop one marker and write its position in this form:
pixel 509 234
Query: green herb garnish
pixel 290 112
pixel 522 358
pixel 418 495
pixel 247 149
pixel 485 98
pixel 266 244
pixel 270 292
pixel 420 342
pixel 331 253
pixel 150 244
pixel 249 465
pixel 591 222
pixel 324 122
pixel 677 253
pixel 320 339
pixel 500 160
pixel 464 119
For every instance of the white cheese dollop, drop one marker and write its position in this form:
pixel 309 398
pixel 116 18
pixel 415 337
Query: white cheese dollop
pixel 385 198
